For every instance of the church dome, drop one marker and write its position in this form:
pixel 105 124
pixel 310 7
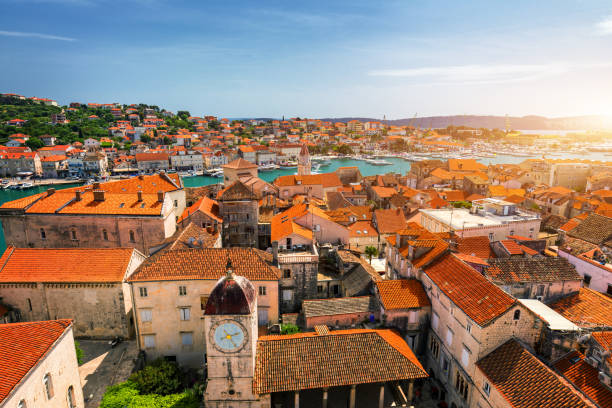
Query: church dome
pixel 232 295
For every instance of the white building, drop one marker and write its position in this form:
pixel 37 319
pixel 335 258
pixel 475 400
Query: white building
pixel 488 217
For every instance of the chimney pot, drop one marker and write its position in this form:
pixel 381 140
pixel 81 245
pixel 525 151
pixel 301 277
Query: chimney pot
pixel 98 195
pixel 140 177
pixel 50 191
pixel 77 195
pixel 96 186
pixel 139 193
pixel 160 196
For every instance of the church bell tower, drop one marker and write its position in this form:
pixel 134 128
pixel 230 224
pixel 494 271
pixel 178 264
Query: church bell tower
pixel 304 162
pixel 230 328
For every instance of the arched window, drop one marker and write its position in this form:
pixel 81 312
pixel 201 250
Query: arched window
pixel 73 234
pixel 132 238
pixel 517 314
pixel 22 404
pixel 43 234
pixel 105 235
pixel 70 397
pixel 48 386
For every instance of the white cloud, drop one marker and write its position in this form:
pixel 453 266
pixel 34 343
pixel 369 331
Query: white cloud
pixel 485 73
pixel 605 27
pixel 35 35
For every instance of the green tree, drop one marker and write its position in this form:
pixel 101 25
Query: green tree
pixel 289 328
pixel 34 143
pixel 167 140
pixel 79 352
pixel 145 138
pixel 160 377
pixel 371 251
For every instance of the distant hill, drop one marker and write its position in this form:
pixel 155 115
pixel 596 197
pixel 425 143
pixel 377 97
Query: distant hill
pixel 499 122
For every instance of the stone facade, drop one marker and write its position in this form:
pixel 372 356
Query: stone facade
pixel 298 279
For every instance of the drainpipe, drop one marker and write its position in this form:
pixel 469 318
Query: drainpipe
pixel 135 317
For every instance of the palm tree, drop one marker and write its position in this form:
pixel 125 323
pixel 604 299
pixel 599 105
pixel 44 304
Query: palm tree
pixel 371 251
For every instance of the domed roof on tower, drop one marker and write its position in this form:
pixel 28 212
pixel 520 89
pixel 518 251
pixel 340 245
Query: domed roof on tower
pixel 232 295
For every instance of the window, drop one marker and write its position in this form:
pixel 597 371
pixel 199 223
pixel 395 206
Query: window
pixel 30 304
pixel 132 238
pixel 187 339
pixel 185 313
pixel 609 291
pixel 70 397
pixel 262 291
pixel 149 340
pixel 73 234
pixel 146 315
pixel 434 346
pixel 317 227
pixel 22 404
pixel 486 387
pixel 105 235
pixel 176 203
pixel 511 232
pixel 182 290
pixel 517 315
pixel 143 292
pixel 461 385
pixel 434 321
pixel 287 295
pixel 43 234
pixel 468 327
pixel 465 356
pixel 490 236
pixel 203 301
pixel 449 336
pixel 587 280
pixel 48 386
pixel 286 273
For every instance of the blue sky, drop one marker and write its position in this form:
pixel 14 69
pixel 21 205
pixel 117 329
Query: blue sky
pixel 314 58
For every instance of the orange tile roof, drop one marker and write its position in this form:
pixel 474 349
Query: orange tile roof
pixel 471 259
pixel 342 357
pixel 64 264
pixel 570 225
pixel 480 299
pixel 282 224
pixel 54 158
pixel 362 229
pixel 585 377
pixel 477 246
pixel 465 165
pixel 390 221
pixel 240 164
pixel 151 157
pixel 586 308
pixel 205 205
pixel 325 179
pixel 524 381
pixel 22 346
pixel 205 264
pixel 384 192
pixel 402 294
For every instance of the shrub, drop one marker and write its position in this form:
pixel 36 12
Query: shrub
pixel 126 395
pixel 160 377
pixel 289 328
pixel 79 352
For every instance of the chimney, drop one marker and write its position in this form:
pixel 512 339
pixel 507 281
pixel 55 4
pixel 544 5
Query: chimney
pixel 160 196
pixel 50 191
pixel 98 195
pixel 275 253
pixel 77 195
pixel 140 177
pixel 96 186
pixel 139 193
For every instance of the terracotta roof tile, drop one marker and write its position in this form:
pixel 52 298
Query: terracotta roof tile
pixel 402 294
pixel 22 346
pixel 204 264
pixel 524 381
pixel 64 265
pixel 343 357
pixel 240 164
pixel 596 229
pixel 476 246
pixel 205 205
pixel 584 377
pixel 586 308
pixel 390 221
pixel 325 179
pixel 540 269
pixel 339 306
pixel 480 299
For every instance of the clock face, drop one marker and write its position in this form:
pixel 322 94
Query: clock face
pixel 228 336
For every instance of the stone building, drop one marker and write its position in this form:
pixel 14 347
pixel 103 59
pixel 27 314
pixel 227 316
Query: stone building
pixel 139 212
pixel 85 285
pixel 204 212
pixel 151 162
pixel 239 209
pixel 304 165
pixel 171 291
pixel 236 169
pixel 38 366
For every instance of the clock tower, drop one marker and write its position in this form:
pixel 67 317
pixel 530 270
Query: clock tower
pixel 304 162
pixel 230 330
